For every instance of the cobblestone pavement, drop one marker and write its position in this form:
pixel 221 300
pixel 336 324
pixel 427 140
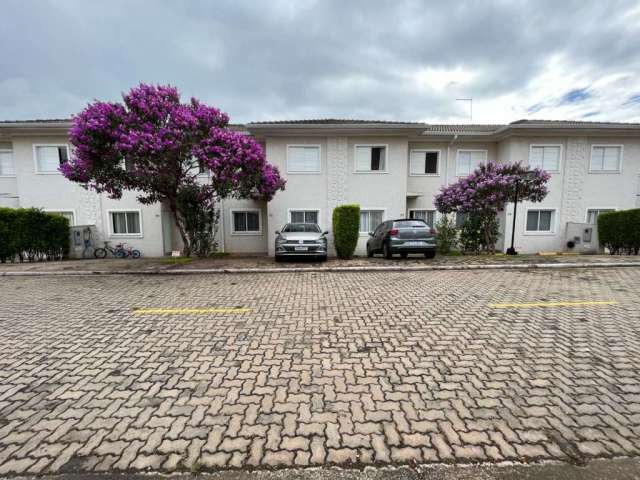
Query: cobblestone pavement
pixel 317 369
pixel 266 262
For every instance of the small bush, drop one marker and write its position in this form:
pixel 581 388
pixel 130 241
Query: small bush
pixel 346 229
pixel 32 234
pixel 620 231
pixel 447 235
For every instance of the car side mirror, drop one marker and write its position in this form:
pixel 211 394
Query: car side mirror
pixel 326 232
pixel 277 232
pixel 371 234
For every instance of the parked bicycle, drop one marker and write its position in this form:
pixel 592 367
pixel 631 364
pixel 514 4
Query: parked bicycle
pixel 121 250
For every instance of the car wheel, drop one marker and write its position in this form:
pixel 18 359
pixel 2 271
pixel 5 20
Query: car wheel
pixel 369 252
pixel 431 254
pixel 387 251
pixel 323 258
pixel 404 255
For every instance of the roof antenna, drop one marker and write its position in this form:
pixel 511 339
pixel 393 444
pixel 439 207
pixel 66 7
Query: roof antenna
pixel 470 100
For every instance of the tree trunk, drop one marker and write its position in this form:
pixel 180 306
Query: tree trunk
pixel 488 238
pixel 183 235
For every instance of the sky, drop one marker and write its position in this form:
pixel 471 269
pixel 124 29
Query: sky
pixel 401 60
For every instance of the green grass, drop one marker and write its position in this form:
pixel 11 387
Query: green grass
pixel 177 260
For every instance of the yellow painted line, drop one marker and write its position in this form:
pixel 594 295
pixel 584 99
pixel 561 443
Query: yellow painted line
pixel 188 311
pixel 552 304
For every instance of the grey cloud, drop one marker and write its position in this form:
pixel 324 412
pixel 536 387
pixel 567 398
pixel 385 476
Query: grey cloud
pixel 296 58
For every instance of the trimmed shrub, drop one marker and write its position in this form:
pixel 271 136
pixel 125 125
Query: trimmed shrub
pixel 32 234
pixel 447 234
pixel 620 231
pixel 346 229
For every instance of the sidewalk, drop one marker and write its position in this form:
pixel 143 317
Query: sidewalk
pixel 258 264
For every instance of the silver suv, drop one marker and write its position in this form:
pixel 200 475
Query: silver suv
pixel 301 240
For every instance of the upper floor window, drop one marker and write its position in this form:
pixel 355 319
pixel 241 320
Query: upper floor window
pixel 7 165
pixel 371 158
pixel 429 216
pixel 594 213
pixel 424 162
pixel 304 216
pixel 545 157
pixel 605 158
pixel 246 222
pixel 50 157
pixel 303 158
pixel 468 161
pixel 125 222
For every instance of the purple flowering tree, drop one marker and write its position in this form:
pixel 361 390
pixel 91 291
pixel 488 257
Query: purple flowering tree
pixel 153 144
pixel 486 192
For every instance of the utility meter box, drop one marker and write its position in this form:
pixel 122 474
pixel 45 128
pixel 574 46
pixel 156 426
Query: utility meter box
pixel 84 239
pixel 582 238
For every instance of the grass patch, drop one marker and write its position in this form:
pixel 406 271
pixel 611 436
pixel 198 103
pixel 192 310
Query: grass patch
pixel 177 260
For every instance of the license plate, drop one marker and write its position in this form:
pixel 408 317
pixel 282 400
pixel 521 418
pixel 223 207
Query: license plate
pixel 413 244
pixel 300 249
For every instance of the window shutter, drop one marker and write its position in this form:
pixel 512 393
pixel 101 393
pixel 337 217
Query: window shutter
pixel 363 159
pixel 417 163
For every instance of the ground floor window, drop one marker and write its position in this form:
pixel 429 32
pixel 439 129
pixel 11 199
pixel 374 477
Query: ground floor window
pixel 370 219
pixel 428 216
pixel 246 221
pixel 461 219
pixel 593 213
pixel 540 220
pixel 125 223
pixel 68 214
pixel 304 216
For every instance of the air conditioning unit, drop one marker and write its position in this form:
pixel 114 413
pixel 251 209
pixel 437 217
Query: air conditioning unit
pixel 582 238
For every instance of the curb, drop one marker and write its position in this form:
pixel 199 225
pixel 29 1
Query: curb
pixel 399 268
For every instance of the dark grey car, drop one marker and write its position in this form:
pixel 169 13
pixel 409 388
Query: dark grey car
pixel 403 236
pixel 301 240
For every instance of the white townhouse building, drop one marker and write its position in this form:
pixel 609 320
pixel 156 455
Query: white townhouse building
pixel 391 169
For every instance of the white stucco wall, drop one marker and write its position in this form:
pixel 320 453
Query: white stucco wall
pixel 51 191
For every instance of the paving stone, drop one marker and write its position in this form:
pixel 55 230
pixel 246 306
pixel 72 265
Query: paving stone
pixel 325 369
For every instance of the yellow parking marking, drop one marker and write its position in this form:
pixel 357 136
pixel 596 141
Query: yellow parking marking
pixel 188 311
pixel 552 304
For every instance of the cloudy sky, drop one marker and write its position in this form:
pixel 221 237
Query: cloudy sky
pixel 285 59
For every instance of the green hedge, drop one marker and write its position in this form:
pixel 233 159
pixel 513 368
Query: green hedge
pixel 28 233
pixel 346 228
pixel 620 231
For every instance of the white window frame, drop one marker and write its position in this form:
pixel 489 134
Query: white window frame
pixel 366 209
pixel 486 156
pixel 254 233
pixel 586 213
pixel 370 145
pixel 302 172
pixel 35 156
pixel 553 224
pixel 312 209
pixel 542 145
pixel 425 150
pixel 62 210
pixel 124 235
pixel 604 145
pixel 435 213
pixel 13 159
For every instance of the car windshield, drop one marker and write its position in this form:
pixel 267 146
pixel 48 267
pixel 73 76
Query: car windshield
pixel 301 227
pixel 410 224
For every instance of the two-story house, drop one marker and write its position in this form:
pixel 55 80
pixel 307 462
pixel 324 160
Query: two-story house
pixel 391 169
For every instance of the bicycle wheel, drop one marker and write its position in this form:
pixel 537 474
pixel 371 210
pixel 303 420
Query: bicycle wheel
pixel 120 254
pixel 100 253
pixel 135 253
